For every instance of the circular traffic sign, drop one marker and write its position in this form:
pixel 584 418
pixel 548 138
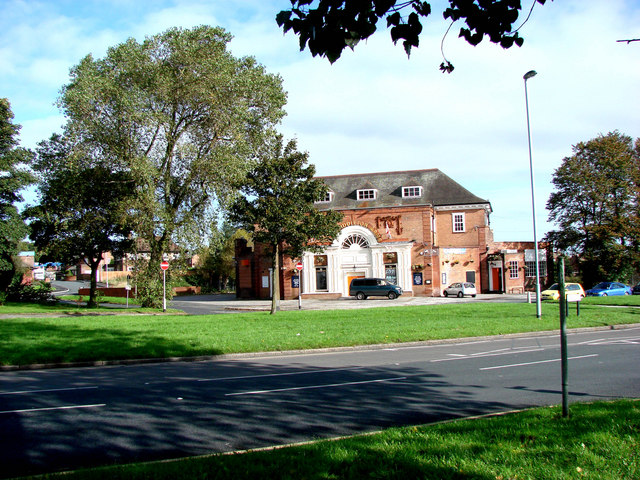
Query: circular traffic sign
pixel 299 266
pixel 164 265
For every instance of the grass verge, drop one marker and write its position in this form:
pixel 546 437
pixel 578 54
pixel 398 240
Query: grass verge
pixel 599 440
pixel 91 338
pixel 20 308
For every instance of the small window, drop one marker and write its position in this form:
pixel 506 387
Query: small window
pixel 458 222
pixel 411 192
pixel 328 197
pixel 513 269
pixel 369 194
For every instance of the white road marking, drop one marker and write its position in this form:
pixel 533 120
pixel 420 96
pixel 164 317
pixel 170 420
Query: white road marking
pixel 287 374
pixel 612 341
pixel 487 354
pixel 46 409
pixel 309 387
pixel 21 392
pixel 535 363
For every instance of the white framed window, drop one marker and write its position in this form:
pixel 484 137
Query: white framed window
pixel 513 269
pixel 530 268
pixel 367 194
pixel 328 197
pixel 355 240
pixel 411 192
pixel 458 222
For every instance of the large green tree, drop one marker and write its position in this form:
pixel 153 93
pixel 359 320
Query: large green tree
pixel 277 206
pixel 327 27
pixel 14 177
pixel 184 116
pixel 84 207
pixel 596 206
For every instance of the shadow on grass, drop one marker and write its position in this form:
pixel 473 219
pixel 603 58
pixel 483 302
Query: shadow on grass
pixel 54 341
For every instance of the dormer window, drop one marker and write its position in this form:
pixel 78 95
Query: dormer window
pixel 411 192
pixel 328 197
pixel 367 194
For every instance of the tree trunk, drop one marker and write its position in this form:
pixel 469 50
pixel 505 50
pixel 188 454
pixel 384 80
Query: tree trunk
pixel 275 279
pixel 93 283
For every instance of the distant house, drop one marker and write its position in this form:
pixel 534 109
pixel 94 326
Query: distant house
pixel 121 266
pixel 418 229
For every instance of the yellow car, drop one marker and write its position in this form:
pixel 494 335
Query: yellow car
pixel 573 291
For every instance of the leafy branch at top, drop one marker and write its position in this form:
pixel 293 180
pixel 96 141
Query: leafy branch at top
pixel 327 27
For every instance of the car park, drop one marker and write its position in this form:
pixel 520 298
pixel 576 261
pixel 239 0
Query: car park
pixel 606 289
pixel 361 288
pixel 460 289
pixel 573 291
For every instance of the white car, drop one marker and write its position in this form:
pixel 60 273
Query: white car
pixel 460 289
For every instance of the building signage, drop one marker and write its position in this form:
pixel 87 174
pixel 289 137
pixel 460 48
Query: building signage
pixel 417 278
pixel 453 251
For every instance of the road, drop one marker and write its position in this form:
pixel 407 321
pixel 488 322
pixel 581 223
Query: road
pixel 55 420
pixel 228 303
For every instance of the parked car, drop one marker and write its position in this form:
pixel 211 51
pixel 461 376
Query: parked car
pixel 636 290
pixel 573 291
pixel 460 289
pixel 362 288
pixel 605 289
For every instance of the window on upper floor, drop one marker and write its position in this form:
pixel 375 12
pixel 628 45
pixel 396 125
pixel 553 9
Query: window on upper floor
pixel 458 222
pixel 367 194
pixel 411 192
pixel 328 197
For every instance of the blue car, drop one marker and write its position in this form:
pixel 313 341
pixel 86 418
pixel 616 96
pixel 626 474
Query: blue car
pixel 605 289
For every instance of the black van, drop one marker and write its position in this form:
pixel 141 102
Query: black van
pixel 362 288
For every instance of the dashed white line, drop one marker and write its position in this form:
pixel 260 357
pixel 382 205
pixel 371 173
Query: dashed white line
pixel 47 409
pixel 535 363
pixel 487 354
pixel 22 392
pixel 286 374
pixel 309 387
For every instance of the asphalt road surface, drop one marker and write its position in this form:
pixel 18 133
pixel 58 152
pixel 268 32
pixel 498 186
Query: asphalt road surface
pixel 54 420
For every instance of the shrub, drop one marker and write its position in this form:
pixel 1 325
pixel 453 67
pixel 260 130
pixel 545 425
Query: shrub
pixel 38 292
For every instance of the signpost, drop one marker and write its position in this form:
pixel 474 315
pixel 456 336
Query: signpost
pixel 164 266
pixel 564 370
pixel 299 267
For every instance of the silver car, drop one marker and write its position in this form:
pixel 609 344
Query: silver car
pixel 460 289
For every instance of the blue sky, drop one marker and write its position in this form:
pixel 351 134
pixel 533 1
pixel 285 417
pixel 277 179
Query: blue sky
pixel 375 110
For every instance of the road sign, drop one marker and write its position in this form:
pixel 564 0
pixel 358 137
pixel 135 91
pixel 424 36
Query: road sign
pixel 164 265
pixel 299 266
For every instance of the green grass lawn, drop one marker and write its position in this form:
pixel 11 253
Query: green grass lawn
pixel 11 308
pixel 91 338
pixel 623 300
pixel 599 441
pixel 103 299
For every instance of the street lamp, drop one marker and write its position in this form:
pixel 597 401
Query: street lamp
pixel 527 76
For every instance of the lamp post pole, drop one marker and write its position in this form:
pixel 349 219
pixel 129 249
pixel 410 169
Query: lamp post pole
pixel 527 76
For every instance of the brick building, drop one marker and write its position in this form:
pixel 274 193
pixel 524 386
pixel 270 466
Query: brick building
pixel 418 229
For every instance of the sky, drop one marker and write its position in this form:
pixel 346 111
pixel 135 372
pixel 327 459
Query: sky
pixel 375 110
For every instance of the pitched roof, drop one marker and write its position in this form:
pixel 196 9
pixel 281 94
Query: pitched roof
pixel 438 189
